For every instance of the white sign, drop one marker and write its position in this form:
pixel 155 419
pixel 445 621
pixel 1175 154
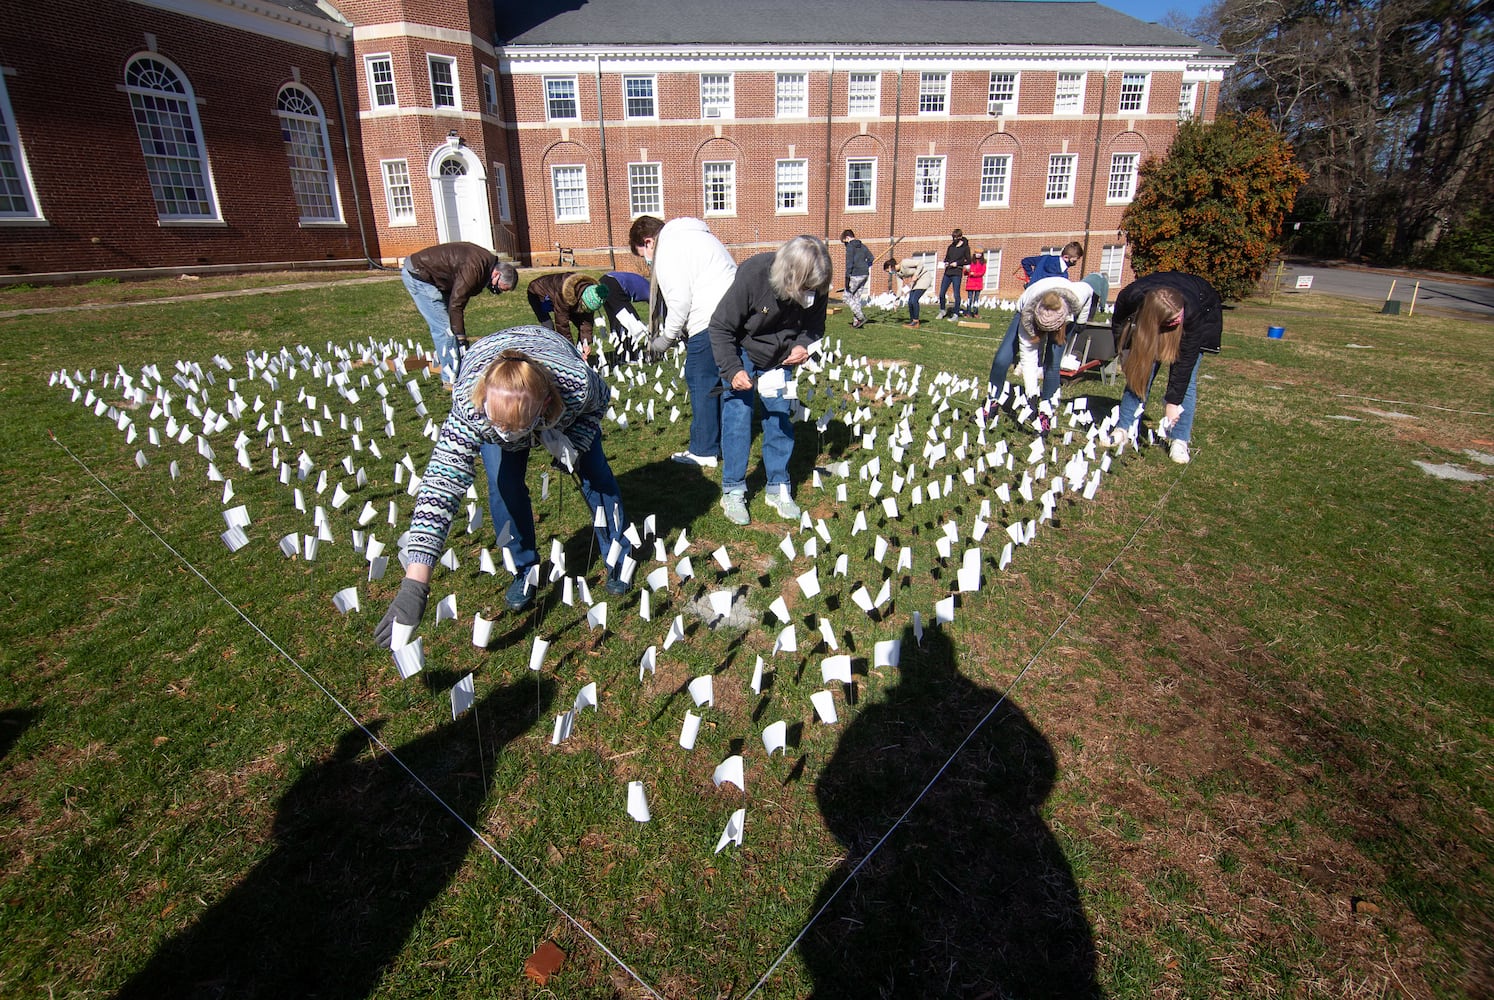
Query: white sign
pixel 1304 281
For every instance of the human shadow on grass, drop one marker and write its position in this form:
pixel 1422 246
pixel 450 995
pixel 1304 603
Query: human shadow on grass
pixel 970 896
pixel 361 850
pixel 14 722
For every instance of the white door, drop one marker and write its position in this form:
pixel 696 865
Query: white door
pixel 461 198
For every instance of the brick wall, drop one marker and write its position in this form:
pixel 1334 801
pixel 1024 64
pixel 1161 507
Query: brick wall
pixel 86 161
pixel 680 140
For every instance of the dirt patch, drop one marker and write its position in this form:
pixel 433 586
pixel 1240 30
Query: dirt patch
pixel 1211 787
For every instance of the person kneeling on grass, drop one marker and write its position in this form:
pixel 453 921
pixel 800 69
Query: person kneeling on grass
pixel 764 325
pixel 1173 317
pixel 519 388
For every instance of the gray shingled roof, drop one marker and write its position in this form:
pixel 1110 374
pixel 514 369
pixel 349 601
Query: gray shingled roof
pixel 825 22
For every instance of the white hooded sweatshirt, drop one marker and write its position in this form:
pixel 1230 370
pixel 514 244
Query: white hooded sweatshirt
pixel 692 269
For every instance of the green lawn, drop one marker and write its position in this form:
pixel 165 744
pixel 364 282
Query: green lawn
pixel 1228 724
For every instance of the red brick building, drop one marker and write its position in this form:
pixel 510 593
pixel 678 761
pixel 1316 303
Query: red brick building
pixel 546 127
pixel 176 134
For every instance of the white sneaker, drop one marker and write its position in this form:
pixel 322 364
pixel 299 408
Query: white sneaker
pixel 1112 438
pixel 783 505
pixel 1178 451
pixel 690 458
pixel 734 506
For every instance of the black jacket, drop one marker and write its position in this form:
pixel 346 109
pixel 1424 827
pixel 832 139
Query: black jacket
pixel 1203 321
pixel 957 256
pixel 751 318
pixel 858 259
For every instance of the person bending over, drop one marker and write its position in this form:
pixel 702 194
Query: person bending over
pixel 1168 317
pixel 520 388
pixel 764 326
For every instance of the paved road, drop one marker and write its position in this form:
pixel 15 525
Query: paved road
pixel 1441 293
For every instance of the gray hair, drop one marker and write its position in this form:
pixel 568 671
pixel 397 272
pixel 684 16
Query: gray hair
pixel 507 274
pixel 800 265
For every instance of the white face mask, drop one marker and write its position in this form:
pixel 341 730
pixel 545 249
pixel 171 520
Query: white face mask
pixel 807 298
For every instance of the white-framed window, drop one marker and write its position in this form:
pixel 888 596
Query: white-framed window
pixel 1068 98
pixel 166 122
pixel 568 181
pixel 645 189
pixel 864 95
pixel 443 82
pixel 791 184
pixel 638 97
pixel 791 98
pixel 861 184
pixel 720 186
pixel 381 93
pixel 1187 96
pixel 489 91
pixel 1122 186
pixel 928 182
pixel 1133 92
pixel 17 193
pixel 500 185
pixel 933 93
pixel 995 180
pixel 1001 99
pixel 398 194
pixel 1112 259
pixel 717 97
pixel 560 99
pixel 1060 190
pixel 992 281
pixel 304 129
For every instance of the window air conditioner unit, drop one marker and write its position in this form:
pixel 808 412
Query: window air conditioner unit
pixel 713 112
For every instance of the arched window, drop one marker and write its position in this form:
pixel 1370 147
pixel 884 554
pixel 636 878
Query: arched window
pixel 304 130
pixel 453 167
pixel 170 137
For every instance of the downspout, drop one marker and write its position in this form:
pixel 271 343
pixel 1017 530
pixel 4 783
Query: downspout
pixel 829 108
pixel 897 125
pixel 347 146
pixel 1094 167
pixel 606 184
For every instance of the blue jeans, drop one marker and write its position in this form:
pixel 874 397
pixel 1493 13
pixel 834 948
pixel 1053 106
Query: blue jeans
pixel 509 503
pixel 971 294
pixel 945 284
pixel 702 379
pixel 913 297
pixel 432 306
pixel 1006 356
pixel 736 434
pixel 1133 405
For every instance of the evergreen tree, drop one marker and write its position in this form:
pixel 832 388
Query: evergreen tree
pixel 1214 206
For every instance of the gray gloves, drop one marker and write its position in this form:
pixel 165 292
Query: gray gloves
pixel 407 608
pixel 660 345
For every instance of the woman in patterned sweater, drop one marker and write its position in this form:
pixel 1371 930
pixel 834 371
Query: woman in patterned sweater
pixel 519 388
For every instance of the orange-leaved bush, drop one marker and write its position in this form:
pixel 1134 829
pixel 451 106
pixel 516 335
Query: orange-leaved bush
pixel 1214 205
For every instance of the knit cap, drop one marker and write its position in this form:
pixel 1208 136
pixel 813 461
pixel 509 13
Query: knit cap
pixel 1049 319
pixel 593 297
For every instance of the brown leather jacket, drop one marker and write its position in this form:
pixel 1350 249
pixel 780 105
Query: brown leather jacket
pixel 563 289
pixel 460 270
